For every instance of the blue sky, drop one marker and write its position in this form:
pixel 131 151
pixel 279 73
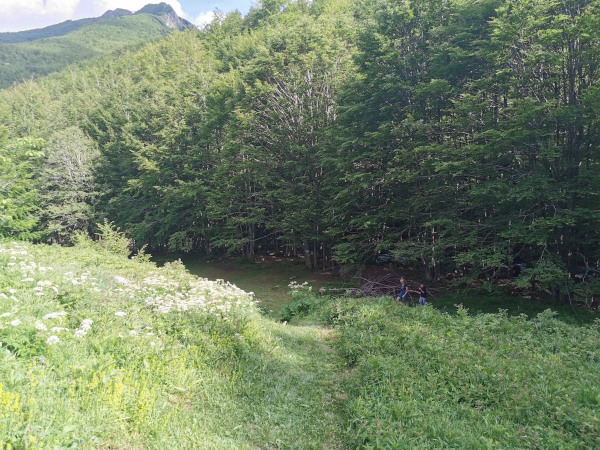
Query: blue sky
pixel 18 15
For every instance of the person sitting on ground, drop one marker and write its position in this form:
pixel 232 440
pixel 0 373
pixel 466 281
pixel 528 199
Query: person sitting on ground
pixel 403 294
pixel 422 295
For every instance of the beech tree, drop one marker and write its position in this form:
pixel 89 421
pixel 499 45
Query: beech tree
pixel 460 136
pixel 68 187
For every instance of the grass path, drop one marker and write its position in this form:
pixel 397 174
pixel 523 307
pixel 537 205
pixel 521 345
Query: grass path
pixel 288 397
pixel 289 393
pixel 297 405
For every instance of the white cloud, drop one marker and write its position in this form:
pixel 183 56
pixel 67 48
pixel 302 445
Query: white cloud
pixel 204 18
pixel 19 8
pixel 18 15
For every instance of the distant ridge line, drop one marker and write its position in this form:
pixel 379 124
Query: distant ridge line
pixel 162 10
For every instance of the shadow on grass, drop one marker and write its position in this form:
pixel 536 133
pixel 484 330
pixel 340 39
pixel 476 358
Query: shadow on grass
pixel 482 304
pixel 268 279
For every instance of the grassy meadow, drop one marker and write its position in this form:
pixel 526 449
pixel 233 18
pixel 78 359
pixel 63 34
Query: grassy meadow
pixel 268 278
pixel 417 377
pixel 103 351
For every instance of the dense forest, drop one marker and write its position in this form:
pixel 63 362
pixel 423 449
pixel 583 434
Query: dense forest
pixel 460 136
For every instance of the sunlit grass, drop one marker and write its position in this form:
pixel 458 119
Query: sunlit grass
pixel 103 351
pixel 420 378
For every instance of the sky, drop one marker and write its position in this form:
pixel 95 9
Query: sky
pixel 19 15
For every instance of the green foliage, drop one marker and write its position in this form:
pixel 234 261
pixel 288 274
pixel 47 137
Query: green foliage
pixel 67 184
pixel 459 136
pixel 18 194
pixel 419 378
pixel 112 240
pixel 303 302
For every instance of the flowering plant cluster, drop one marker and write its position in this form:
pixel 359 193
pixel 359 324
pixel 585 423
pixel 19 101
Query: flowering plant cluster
pixel 65 324
pixel 298 287
pixel 161 290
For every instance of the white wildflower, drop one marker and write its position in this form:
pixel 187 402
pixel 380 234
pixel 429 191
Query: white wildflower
pixel 122 280
pixel 79 333
pixel 55 315
pixel 40 326
pixel 6 314
pixel 52 340
pixel 120 314
pixel 59 329
pixel 16 323
pixel 86 324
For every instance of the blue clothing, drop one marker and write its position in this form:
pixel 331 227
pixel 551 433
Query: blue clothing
pixel 403 295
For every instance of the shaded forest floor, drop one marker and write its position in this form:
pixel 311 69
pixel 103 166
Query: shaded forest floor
pixel 269 277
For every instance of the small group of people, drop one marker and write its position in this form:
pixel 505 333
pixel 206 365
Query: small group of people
pixel 402 296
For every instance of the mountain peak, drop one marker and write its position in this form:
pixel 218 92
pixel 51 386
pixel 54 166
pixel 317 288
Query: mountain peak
pixel 166 13
pixel 158 9
pixel 119 12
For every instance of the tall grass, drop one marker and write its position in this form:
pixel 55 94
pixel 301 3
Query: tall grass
pixel 420 378
pixel 101 351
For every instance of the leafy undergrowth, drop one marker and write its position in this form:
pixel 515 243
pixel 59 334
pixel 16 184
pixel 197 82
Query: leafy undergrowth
pixel 514 306
pixel 420 378
pixel 101 351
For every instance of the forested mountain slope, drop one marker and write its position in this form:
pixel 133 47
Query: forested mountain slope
pixel 36 53
pixel 461 136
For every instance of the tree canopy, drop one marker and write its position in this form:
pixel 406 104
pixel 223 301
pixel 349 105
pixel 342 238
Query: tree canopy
pixel 461 136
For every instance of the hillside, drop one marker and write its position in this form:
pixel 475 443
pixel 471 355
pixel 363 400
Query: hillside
pixel 36 53
pixel 99 350
pixel 59 29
